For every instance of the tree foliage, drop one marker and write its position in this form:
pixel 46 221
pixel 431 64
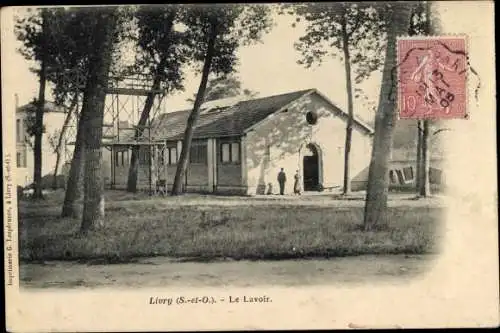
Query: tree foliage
pixel 235 25
pixel 214 33
pixel 69 32
pixel 29 122
pixel 67 45
pixel 350 31
pixel 161 55
pixel 161 50
pixel 36 34
pixel 323 37
pixel 224 87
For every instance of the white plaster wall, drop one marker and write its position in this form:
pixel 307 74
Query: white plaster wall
pixel 287 133
pixel 52 121
pixel 361 151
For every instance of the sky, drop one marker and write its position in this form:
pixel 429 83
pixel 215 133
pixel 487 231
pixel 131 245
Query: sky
pixel 268 67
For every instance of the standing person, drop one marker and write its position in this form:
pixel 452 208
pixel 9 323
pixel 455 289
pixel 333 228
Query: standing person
pixel 282 181
pixel 296 185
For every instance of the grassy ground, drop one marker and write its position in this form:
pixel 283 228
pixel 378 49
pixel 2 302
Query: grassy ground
pixel 207 227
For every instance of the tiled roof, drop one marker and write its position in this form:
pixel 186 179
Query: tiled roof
pixel 229 120
pixel 224 121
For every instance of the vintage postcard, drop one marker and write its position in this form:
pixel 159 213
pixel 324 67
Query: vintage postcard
pixel 250 166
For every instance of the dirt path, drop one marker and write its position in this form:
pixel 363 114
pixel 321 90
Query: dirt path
pixel 165 272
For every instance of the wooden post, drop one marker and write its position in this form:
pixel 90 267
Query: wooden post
pixel 164 163
pixel 210 164
pixel 112 167
pixel 154 161
pixel 243 161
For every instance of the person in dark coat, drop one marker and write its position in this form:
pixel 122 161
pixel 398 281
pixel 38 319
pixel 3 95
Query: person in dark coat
pixel 296 185
pixel 282 181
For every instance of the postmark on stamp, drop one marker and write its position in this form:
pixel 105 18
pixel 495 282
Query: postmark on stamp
pixel 432 77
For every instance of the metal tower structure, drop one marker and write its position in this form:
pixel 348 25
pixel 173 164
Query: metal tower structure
pixel 124 103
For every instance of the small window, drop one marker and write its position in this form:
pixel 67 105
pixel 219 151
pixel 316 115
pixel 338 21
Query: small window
pixel 172 152
pixel 121 158
pixel 400 177
pixel 235 152
pixel 25 164
pixel 21 158
pixel 226 153
pixel 435 176
pixel 198 154
pixel 312 117
pixel 161 155
pixel 144 156
pixel 19 130
pixel 125 157
pixel 230 152
pixel 408 173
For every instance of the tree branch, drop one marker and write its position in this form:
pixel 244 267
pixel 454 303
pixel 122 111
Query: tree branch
pixel 441 130
pixel 355 27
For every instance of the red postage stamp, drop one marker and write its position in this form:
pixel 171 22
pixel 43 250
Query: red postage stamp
pixel 432 77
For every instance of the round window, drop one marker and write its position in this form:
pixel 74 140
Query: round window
pixel 312 118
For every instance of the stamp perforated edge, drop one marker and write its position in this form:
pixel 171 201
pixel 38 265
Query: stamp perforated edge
pixel 467 83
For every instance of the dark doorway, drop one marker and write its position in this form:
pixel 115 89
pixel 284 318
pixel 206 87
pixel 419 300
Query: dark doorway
pixel 311 169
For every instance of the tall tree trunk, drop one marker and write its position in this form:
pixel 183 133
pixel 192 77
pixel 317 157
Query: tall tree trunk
pixel 350 107
pixel 93 189
pixel 433 28
pixel 418 173
pixel 148 105
pixel 60 140
pixel 378 179
pixel 425 187
pixel 74 184
pixel 37 151
pixel 191 122
pixel 417 14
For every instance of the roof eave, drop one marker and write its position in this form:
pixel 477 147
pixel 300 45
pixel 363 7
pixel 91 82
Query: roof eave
pixel 366 127
pixel 205 137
